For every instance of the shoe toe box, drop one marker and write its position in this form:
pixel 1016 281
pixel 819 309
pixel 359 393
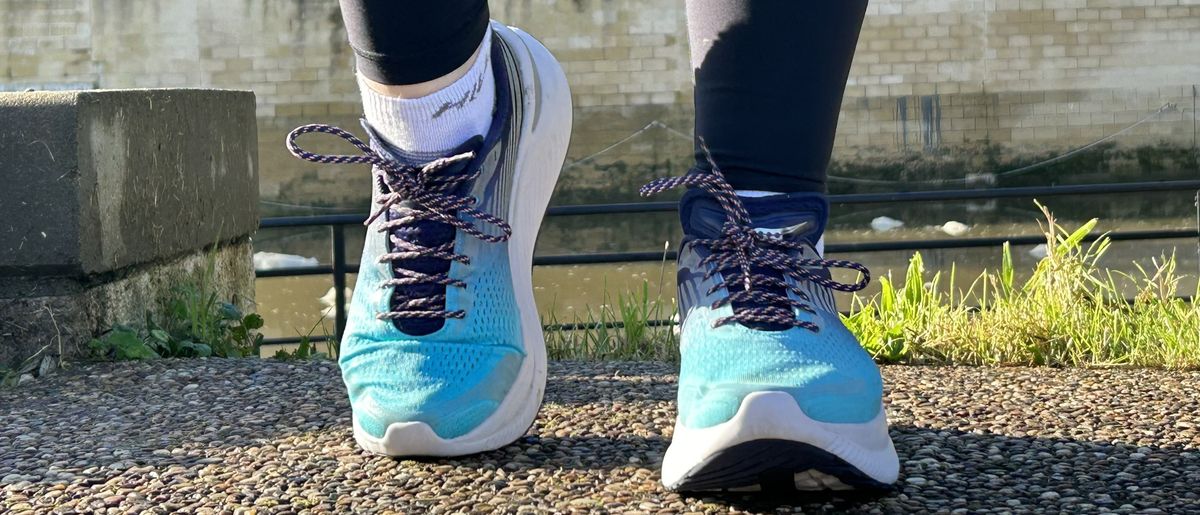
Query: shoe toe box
pixel 830 376
pixel 451 387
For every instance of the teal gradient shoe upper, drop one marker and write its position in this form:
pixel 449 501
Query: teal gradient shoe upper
pixel 735 342
pixel 434 332
pixel 451 379
pixel 831 377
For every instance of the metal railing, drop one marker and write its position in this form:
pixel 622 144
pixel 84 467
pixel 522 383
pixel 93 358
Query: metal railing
pixel 340 268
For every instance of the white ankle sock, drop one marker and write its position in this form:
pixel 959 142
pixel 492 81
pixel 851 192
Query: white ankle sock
pixel 428 127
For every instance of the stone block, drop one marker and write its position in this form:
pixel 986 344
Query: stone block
pixel 101 180
pixel 112 198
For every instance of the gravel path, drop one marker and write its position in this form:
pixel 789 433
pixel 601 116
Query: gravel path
pixel 219 435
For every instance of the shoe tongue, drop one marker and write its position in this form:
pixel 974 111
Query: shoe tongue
pixel 797 216
pixel 427 233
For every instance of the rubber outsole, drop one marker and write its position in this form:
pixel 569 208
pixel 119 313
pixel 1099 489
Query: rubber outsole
pixel 775 466
pixel 770 441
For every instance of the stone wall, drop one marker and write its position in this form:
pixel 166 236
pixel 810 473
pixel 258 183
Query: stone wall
pixel 968 46
pixel 1040 73
pixel 928 74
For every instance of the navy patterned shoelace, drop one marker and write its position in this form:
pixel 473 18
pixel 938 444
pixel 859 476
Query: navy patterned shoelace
pixel 412 194
pixel 740 249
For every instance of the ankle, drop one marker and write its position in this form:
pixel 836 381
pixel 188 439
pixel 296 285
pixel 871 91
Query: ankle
pixel 429 119
pixel 422 89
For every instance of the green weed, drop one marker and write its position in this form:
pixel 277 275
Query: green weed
pixel 627 332
pixel 307 349
pixel 1069 312
pixel 193 322
pixel 222 332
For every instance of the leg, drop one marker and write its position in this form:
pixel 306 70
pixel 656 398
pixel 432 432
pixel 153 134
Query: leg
pixel 774 391
pixel 407 42
pixel 468 121
pixel 769 82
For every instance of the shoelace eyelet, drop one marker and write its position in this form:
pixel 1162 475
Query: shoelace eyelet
pixel 740 248
pixel 424 195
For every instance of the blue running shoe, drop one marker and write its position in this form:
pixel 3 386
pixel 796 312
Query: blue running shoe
pixel 443 352
pixel 774 391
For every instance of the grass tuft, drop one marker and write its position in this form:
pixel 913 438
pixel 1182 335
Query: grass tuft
pixel 630 331
pixel 1069 312
pixel 627 331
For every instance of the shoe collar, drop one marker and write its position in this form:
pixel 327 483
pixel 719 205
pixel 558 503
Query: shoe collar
pixel 795 215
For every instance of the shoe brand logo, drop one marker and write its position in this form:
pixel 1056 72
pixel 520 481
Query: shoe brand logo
pixel 790 230
pixel 467 97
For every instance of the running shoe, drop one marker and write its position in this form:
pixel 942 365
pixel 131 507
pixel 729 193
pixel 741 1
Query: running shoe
pixel 443 352
pixel 774 392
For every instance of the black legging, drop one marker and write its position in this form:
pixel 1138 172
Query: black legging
pixel 770 74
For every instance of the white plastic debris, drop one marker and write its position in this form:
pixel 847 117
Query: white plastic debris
pixel 1039 251
pixel 274 260
pixel 884 224
pixel 330 300
pixel 955 228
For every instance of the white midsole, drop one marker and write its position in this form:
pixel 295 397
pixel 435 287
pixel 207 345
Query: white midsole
pixel 545 133
pixel 777 416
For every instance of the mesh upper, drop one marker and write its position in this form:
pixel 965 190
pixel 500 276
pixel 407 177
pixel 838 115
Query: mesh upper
pixel 830 375
pixel 451 379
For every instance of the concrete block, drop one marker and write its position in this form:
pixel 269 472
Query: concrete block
pixel 112 200
pixel 96 181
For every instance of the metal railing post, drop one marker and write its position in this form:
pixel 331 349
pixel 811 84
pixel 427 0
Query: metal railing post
pixel 339 279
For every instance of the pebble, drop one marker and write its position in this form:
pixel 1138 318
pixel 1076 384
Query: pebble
pixel 257 436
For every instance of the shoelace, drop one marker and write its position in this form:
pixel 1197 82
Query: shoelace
pixel 413 193
pixel 740 248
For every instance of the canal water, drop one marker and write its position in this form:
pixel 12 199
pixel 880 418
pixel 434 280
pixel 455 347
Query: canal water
pixel 606 167
pixel 293 306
